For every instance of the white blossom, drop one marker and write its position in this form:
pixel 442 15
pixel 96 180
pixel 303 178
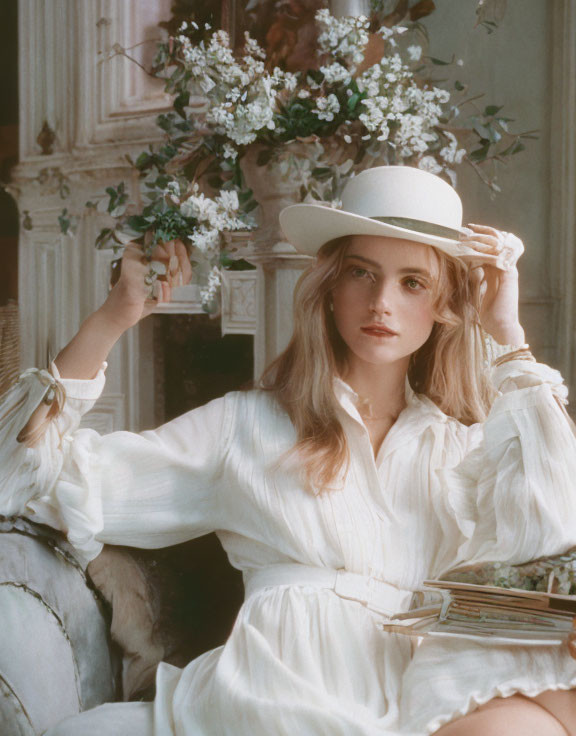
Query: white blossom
pixel 209 292
pixel 384 132
pixel 326 107
pixel 206 84
pixel 452 176
pixel 205 239
pixel 429 163
pixel 374 115
pixel 252 48
pixel 229 151
pixel 344 38
pixel 414 52
pixel 228 199
pixel 336 73
pixel 198 206
pixel 242 94
pixel 451 153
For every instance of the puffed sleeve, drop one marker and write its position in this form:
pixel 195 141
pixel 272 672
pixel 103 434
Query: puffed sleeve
pixel 513 494
pixel 150 489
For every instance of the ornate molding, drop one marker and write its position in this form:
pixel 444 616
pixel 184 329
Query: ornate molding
pixel 45 50
pixel 239 302
pixel 185 300
pixel 40 263
pixel 124 98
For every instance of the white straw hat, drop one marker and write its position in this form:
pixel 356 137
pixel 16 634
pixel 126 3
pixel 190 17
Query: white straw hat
pixel 396 201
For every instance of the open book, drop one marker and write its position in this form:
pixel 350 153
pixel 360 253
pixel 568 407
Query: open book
pixel 479 602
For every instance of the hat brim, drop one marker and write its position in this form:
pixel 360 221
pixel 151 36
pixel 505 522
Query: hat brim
pixel 308 226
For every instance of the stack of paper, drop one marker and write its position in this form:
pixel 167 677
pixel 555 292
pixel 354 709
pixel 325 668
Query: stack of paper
pixel 505 615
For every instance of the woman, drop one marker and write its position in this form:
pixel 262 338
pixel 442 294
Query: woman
pixel 379 451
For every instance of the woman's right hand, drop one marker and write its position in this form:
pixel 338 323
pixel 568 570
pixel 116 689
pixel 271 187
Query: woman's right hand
pixel 131 299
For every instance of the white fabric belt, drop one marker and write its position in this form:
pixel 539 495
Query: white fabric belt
pixel 375 594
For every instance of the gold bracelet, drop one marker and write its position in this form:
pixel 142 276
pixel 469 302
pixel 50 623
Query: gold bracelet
pixel 521 352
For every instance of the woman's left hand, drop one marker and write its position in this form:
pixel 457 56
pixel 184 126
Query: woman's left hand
pixel 494 255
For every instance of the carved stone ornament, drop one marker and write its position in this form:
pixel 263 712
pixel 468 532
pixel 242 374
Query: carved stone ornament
pixel 46 139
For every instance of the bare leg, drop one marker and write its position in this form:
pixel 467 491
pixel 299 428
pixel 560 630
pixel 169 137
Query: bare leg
pixel 513 716
pixel 562 704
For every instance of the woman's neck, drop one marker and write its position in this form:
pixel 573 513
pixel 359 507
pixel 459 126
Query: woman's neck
pixel 381 388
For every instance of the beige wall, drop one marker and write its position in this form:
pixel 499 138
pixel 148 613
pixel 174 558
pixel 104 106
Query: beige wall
pixel 513 67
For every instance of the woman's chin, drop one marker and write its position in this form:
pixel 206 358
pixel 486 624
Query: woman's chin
pixel 381 355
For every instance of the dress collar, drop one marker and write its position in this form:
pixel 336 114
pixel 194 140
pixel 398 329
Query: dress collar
pixel 419 413
pixel 347 397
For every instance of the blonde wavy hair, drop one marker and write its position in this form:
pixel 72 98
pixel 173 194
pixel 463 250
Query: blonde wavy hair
pixel 448 368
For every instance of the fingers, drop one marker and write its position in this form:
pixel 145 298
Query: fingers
pixel 484 246
pixel 173 256
pixel 498 248
pixel 184 261
pixel 481 259
pixel 166 292
pixel 483 228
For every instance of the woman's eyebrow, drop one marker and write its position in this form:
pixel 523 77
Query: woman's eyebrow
pixel 408 269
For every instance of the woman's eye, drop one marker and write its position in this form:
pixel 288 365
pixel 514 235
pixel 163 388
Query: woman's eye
pixel 359 273
pixel 414 284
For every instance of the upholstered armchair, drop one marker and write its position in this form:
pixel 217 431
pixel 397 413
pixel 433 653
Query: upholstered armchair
pixel 72 638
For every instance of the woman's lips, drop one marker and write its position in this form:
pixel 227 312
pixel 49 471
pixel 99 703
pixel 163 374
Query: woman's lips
pixel 373 332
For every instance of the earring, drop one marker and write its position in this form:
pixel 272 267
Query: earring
pixel 331 306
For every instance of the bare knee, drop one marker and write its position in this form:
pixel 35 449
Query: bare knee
pixel 512 716
pixel 562 705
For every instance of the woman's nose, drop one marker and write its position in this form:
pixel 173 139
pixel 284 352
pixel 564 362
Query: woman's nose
pixel 381 298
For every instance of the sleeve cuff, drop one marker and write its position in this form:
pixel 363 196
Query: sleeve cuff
pixel 88 389
pixel 520 374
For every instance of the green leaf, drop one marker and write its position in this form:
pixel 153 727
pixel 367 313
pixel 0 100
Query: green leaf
pixel 64 221
pixel 480 153
pixel 138 223
pixel 492 109
pixel 245 195
pixel 104 237
pixel 250 206
pixel 322 172
pixel 180 102
pixel 439 62
pixel 459 86
pixel 482 130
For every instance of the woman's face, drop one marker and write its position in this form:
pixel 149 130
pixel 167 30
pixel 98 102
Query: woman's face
pixel 385 283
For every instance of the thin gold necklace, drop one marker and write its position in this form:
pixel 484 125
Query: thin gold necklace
pixel 368 416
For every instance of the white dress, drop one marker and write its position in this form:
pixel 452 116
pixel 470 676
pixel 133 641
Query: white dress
pixel 304 660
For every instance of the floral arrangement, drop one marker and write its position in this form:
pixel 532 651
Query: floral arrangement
pixel 547 574
pixel 175 208
pixel 368 100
